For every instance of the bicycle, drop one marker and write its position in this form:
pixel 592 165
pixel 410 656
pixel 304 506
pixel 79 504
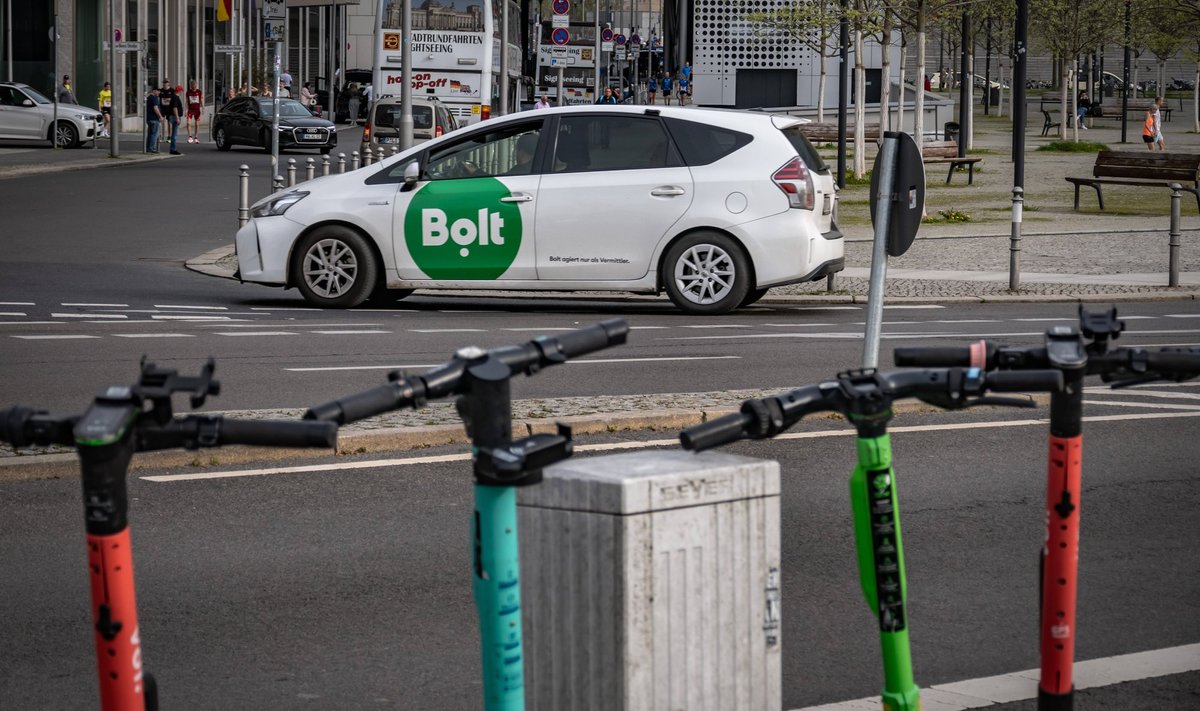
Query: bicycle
pixel 121 421
pixel 1066 351
pixel 481 380
pixel 865 398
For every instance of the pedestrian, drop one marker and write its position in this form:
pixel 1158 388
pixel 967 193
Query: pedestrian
pixel 684 87
pixel 104 103
pixel 174 111
pixel 307 97
pixel 231 94
pixel 368 95
pixel 65 95
pixel 164 97
pixel 1083 104
pixel 1152 126
pixel 608 97
pixel 541 102
pixel 666 88
pixel 353 104
pixel 285 80
pixel 651 89
pixel 195 102
pixel 154 117
pixel 928 83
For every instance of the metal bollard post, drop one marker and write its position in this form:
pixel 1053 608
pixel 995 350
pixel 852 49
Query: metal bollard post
pixel 243 195
pixel 341 162
pixel 395 150
pixel 829 283
pixel 325 164
pixel 355 160
pixel 1014 243
pixel 1173 268
pixel 291 172
pixel 277 183
pixel 368 156
pixel 310 168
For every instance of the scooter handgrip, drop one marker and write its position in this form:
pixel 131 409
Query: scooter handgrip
pixel 932 357
pixel 715 433
pixel 12 424
pixel 1025 380
pixel 278 433
pixel 1181 362
pixel 359 406
pixel 593 338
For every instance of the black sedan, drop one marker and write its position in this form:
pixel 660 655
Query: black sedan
pixel 247 120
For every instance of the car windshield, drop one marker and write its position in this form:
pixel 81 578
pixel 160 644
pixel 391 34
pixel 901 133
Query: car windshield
pixel 388 116
pixel 36 96
pixel 287 108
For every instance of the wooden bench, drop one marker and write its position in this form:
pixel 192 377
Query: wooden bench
pixel 1050 123
pixel 947 152
pixel 828 132
pixel 1145 169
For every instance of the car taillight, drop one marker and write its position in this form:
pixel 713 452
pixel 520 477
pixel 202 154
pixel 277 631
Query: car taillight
pixel 485 112
pixel 796 182
pixel 437 131
pixel 366 133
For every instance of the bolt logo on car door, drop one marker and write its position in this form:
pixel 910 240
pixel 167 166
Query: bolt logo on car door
pixel 459 229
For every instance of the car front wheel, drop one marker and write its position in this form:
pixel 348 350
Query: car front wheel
pixel 221 139
pixel 333 267
pixel 65 135
pixel 706 273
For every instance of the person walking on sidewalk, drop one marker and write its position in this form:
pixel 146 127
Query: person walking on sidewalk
pixel 104 103
pixel 154 117
pixel 1152 126
pixel 173 108
pixel 65 95
pixel 195 102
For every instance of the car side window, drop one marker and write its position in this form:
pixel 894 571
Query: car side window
pixel 6 97
pixel 702 144
pixel 612 142
pixel 507 150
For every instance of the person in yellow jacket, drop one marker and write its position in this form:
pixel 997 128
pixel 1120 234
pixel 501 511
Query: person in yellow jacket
pixel 1152 126
pixel 104 103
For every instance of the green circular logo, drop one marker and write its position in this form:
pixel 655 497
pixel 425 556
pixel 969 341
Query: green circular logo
pixel 459 229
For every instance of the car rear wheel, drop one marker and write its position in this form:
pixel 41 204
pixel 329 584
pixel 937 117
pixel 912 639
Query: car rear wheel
pixel 706 273
pixel 334 267
pixel 221 139
pixel 65 135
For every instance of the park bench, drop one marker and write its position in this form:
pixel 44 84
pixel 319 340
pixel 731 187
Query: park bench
pixel 1107 111
pixel 828 132
pixel 1141 169
pixel 947 152
pixel 1049 124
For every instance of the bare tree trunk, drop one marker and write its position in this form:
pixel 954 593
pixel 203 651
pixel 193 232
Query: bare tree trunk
pixel 1162 78
pixel 1065 79
pixel 860 108
pixel 919 106
pixel 1074 103
pixel 1133 79
pixel 885 93
pixel 903 62
pixel 1196 99
pixel 821 87
pixel 969 131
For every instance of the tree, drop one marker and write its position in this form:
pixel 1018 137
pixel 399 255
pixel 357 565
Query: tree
pixel 1188 12
pixel 813 24
pixel 1069 28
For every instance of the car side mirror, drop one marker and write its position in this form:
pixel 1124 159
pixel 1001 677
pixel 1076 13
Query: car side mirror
pixel 412 173
pixel 27 103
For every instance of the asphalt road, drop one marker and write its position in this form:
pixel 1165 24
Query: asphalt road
pixel 350 588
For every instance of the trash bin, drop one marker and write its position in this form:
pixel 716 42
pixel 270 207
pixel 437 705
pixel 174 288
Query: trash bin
pixel 993 95
pixel 950 131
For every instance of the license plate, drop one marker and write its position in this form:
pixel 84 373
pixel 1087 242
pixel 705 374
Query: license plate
pixel 313 137
pixel 389 139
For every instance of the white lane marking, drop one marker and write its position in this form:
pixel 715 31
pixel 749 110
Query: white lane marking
pixel 641 444
pixel 824 308
pixel 464 311
pixel 31 323
pixel 717 325
pixel 447 330
pixel 1153 405
pixel 51 338
pixel 794 325
pixel 58 315
pixel 1023 685
pixel 191 308
pixel 1145 393
pixel 648 328
pixel 288 308
pixel 114 306
pixel 1188 384
pixel 1181 315
pixel 283 322
pixel 1160 345
pixel 525 330
pixel 17 303
pixel 890 336
pixel 183 317
pixel 969 320
pixel 1137 318
pixel 913 306
pixel 570 362
pixel 153 335
pixel 349 333
pixel 13 313
pixel 255 333
pixel 174 313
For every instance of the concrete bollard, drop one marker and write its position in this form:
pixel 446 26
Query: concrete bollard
pixel 1173 236
pixel 243 195
pixel 368 156
pixel 355 160
pixel 1014 240
pixel 395 150
pixel 650 580
pixel 278 183
pixel 341 162
pixel 310 168
pixel 291 172
pixel 325 164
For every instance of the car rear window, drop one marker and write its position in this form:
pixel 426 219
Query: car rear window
pixel 807 153
pixel 702 144
pixel 388 116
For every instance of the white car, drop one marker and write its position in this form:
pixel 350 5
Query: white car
pixel 27 115
pixel 712 206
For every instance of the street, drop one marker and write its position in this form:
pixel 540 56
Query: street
pixel 349 587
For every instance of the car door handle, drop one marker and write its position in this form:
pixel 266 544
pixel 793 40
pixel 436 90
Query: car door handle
pixel 518 197
pixel 667 191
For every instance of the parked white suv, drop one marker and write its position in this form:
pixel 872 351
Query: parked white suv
pixel 27 115
pixel 712 206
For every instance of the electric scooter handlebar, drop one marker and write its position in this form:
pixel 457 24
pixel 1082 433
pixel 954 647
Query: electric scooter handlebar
pixel 22 426
pixel 445 380
pixel 196 431
pixel 949 388
pixel 1121 365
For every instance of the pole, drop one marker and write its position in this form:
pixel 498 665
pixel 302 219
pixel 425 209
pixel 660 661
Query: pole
pixel 503 56
pixel 560 85
pixel 987 71
pixel 275 114
pixel 1173 270
pixel 114 111
pixel 55 80
pixel 965 82
pixel 843 93
pixel 406 116
pixel 595 57
pixel 883 209
pixel 8 41
pixel 1014 242
pixel 243 195
pixel 1125 77
pixel 1018 141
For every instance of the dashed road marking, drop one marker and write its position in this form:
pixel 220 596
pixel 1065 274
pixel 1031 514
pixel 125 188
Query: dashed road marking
pixel 114 306
pixel 191 308
pixel 448 330
pixel 154 335
pixel 350 332
pixel 255 333
pixel 54 338
pixel 113 316
pixel 13 313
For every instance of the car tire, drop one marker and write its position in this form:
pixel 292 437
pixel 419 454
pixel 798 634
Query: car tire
pixel 221 139
pixel 753 296
pixel 326 151
pixel 383 297
pixel 64 135
pixel 706 273
pixel 264 140
pixel 334 268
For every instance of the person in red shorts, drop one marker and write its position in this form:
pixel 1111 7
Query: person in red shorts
pixel 195 102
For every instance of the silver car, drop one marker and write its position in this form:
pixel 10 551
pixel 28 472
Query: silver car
pixel 27 115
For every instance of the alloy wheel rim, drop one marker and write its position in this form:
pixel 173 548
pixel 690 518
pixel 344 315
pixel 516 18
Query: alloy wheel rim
pixel 330 268
pixel 62 134
pixel 705 274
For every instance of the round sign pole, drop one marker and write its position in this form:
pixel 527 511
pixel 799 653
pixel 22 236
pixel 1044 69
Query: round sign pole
pixel 114 115
pixel 885 168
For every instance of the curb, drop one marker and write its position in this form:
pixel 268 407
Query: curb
pixel 21 171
